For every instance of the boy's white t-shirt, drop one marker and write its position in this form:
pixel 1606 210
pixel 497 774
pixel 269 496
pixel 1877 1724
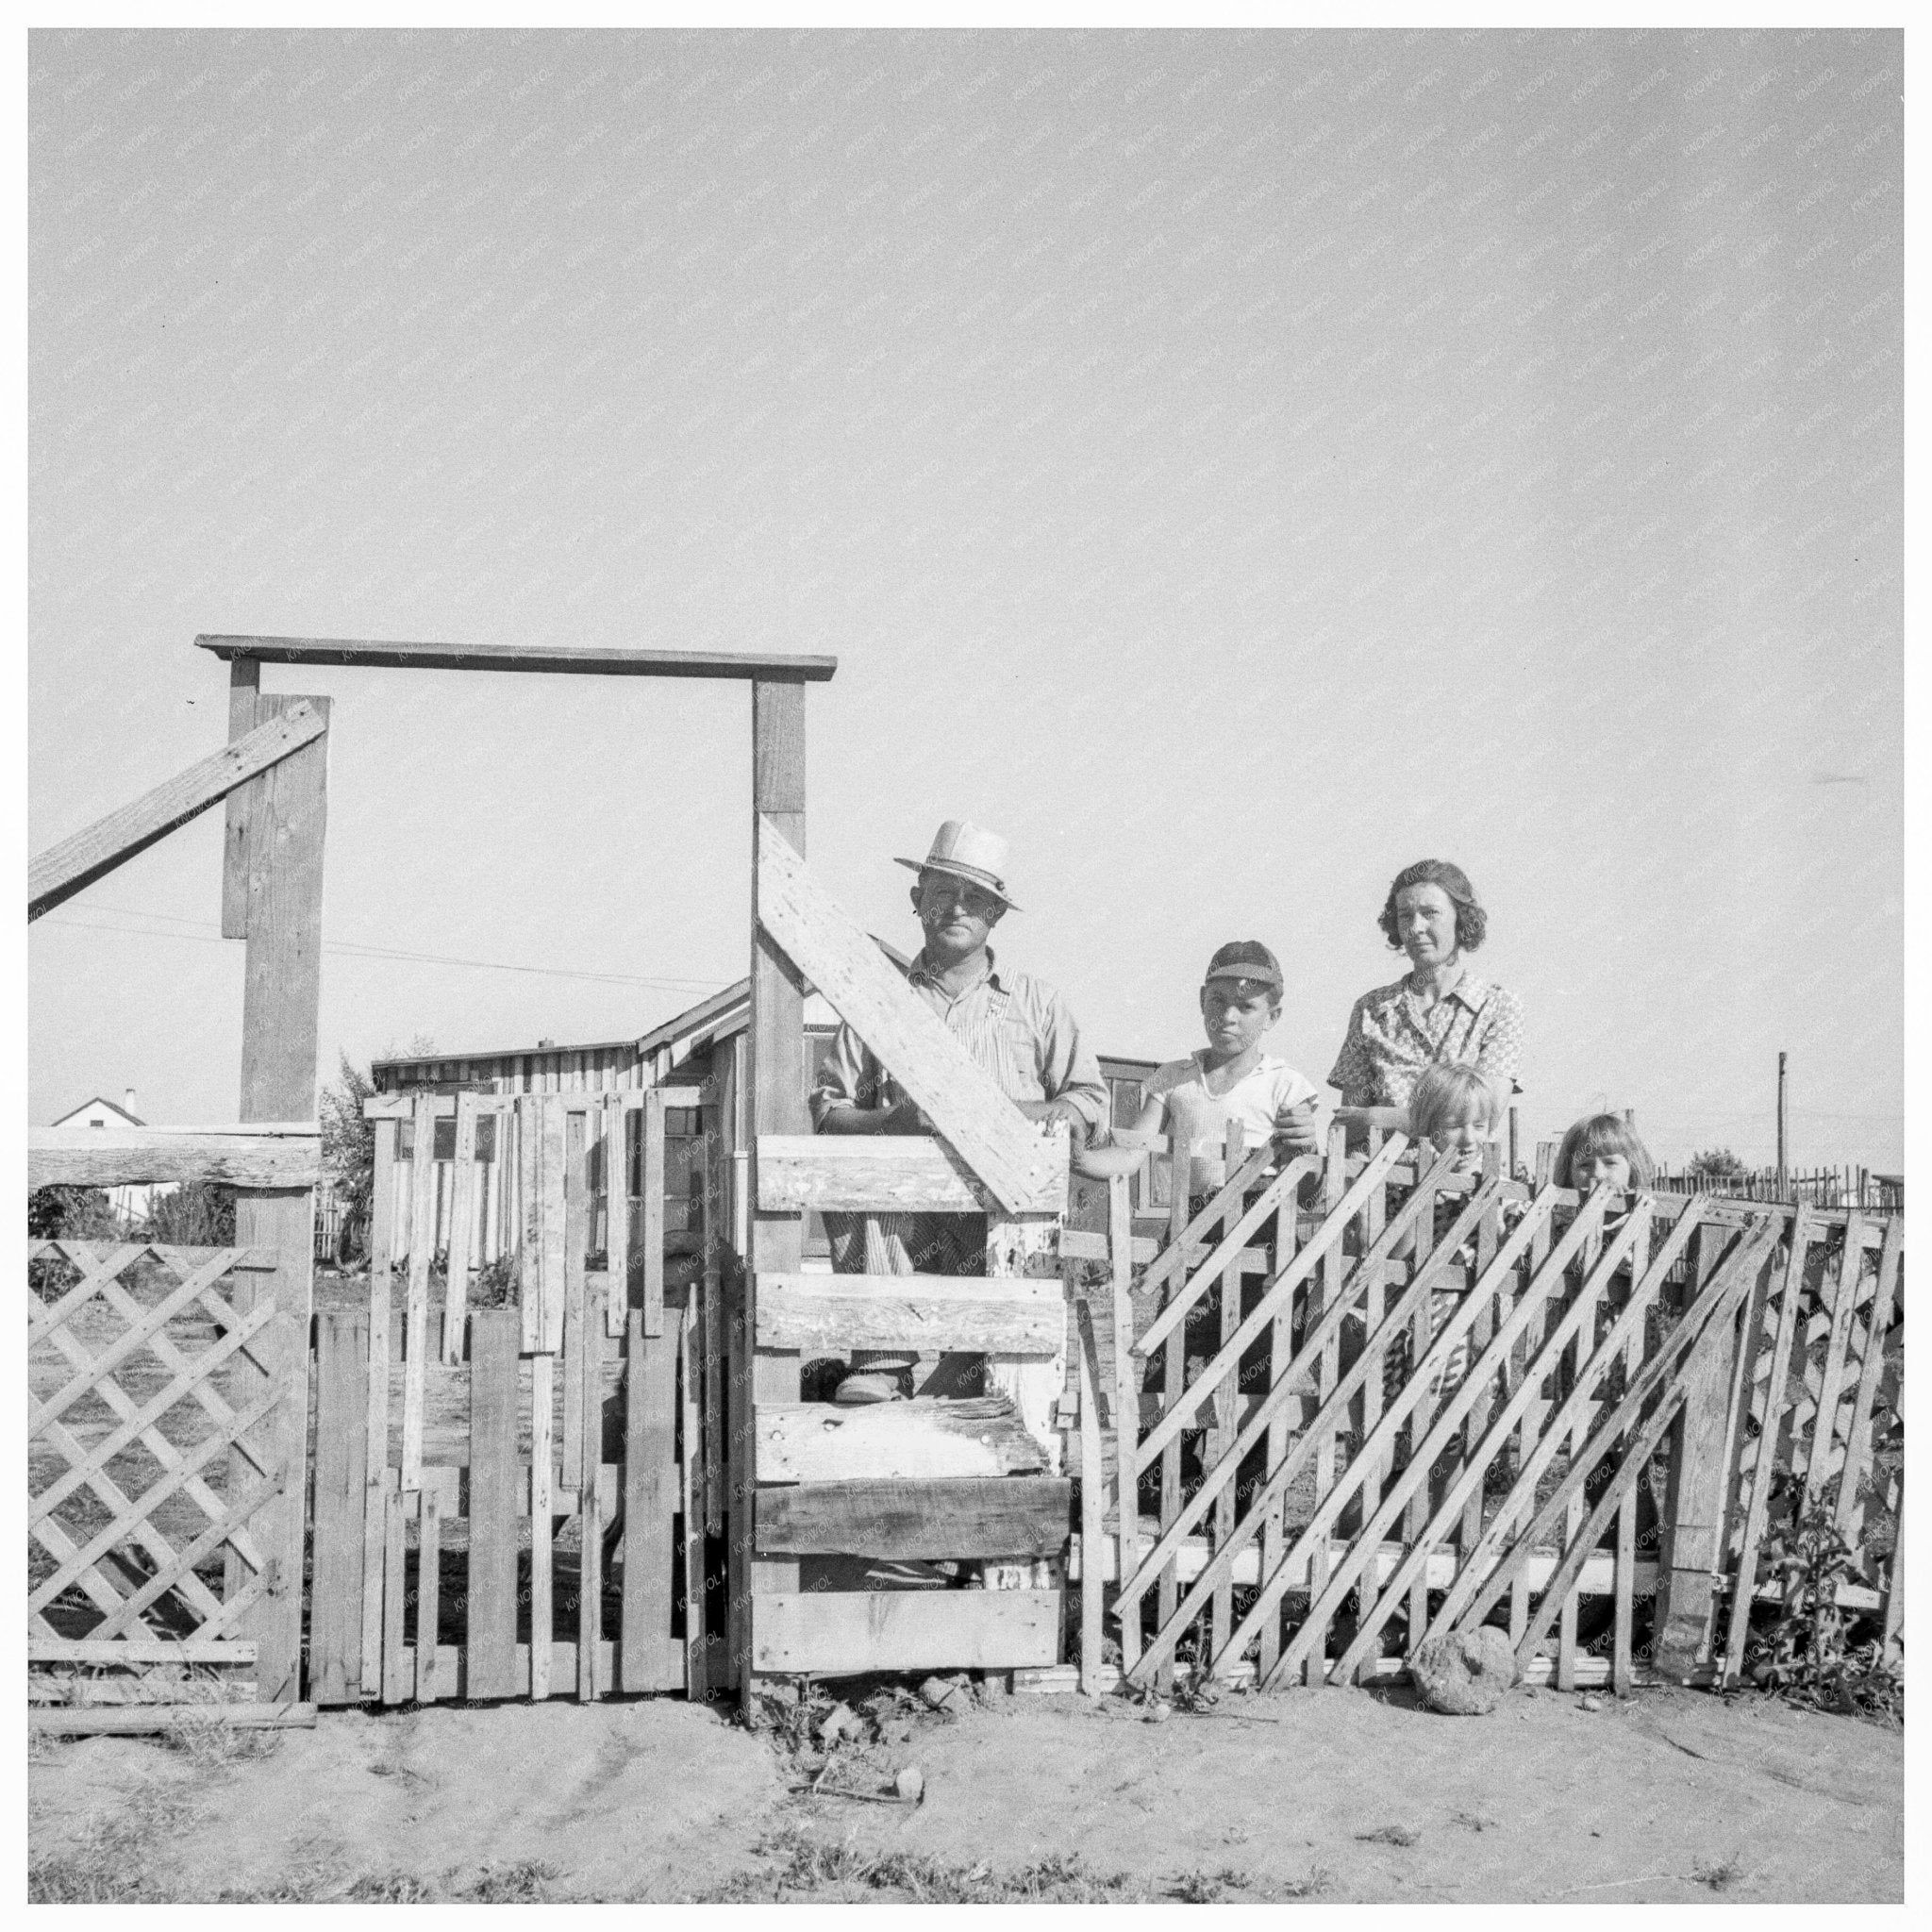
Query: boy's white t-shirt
pixel 1254 1100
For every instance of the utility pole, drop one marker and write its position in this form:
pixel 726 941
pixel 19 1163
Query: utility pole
pixel 1780 1126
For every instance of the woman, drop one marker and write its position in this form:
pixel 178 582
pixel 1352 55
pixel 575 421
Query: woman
pixel 1440 1009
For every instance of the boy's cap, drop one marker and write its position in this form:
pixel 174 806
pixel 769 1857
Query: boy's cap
pixel 1245 959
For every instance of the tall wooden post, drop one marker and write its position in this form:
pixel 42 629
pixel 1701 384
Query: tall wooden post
pixel 777 1107
pixel 272 884
pixel 1698 1488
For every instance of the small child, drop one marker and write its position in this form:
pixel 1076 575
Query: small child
pixel 1232 1079
pixel 1455 1110
pixel 1602 1150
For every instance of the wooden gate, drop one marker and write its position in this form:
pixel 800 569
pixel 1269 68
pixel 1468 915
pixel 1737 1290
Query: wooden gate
pixel 966 1474
pixel 1422 1399
pixel 512 1491
pixel 164 1466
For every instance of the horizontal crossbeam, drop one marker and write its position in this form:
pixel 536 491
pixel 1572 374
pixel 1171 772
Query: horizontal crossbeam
pixel 770 667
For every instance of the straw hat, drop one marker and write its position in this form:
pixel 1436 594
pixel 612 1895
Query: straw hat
pixel 969 852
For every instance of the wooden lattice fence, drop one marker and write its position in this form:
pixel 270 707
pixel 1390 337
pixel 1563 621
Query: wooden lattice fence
pixel 1375 1399
pixel 164 1433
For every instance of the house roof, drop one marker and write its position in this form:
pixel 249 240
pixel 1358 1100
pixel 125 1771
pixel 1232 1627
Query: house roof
pixel 721 1014
pixel 113 1106
pixel 716 1016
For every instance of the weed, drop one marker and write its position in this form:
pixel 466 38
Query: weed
pixel 389 1888
pixel 1805 1657
pixel 1471 1820
pixel 211 1741
pixel 1208 1888
pixel 525 1882
pixel 813 1867
pixel 1312 1884
pixel 1719 1877
pixel 1390 1834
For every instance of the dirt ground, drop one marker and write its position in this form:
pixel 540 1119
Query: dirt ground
pixel 1338 1795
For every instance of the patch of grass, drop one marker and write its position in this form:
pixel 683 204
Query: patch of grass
pixel 1208 1888
pixel 1472 1821
pixel 1312 1884
pixel 815 1868
pixel 524 1882
pixel 211 1743
pixel 112 1861
pixel 1720 1877
pixel 1390 1834
pixel 389 1889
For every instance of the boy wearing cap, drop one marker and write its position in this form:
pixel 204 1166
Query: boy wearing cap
pixel 1232 1079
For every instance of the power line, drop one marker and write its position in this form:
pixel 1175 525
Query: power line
pixel 354 949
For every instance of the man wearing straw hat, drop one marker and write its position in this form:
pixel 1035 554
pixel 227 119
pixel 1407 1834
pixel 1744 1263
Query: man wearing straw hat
pixel 1019 1029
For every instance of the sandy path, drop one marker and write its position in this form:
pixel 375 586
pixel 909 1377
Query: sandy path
pixel 1542 1800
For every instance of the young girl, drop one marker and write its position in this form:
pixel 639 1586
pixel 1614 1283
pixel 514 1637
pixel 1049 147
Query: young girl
pixel 1455 1110
pixel 1602 1150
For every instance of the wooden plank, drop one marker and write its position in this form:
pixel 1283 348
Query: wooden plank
pixel 428 1595
pixel 244 683
pixel 552 1283
pixel 773 1095
pixel 718 1235
pixel 377 1405
pixel 930 1520
pixel 576 1238
pixel 1092 1496
pixel 1693 1510
pixel 772 666
pixel 542 1525
pixel 616 1213
pixel 826 1314
pixel 865 1174
pixel 1891 1641
pixel 422 1252
pixel 281 996
pixel 494 1499
pixel 462 1229
pixel 76 861
pixel 649 1660
pixel 135 1720
pixel 925 1437
pixel 689 1461
pixel 589 1460
pixel 275 1157
pixel 1844 1305
pixel 398 1683
pixel 139 1650
pixel 1859 1446
pixel 652 1185
pixel 1128 1372
pixel 833 1634
pixel 965 1105
pixel 401 1107
pixel 341 1396
pixel 1590 1293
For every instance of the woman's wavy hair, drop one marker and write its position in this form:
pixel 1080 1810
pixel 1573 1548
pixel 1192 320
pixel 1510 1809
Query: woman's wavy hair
pixel 1472 921
pixel 1603 1133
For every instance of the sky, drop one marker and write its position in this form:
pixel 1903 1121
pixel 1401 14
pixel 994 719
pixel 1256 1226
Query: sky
pixel 1231 466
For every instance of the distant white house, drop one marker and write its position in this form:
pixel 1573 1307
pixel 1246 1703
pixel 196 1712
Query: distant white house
pixel 131 1203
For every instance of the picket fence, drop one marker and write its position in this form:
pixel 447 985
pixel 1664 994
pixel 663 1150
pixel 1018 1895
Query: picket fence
pixel 513 1490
